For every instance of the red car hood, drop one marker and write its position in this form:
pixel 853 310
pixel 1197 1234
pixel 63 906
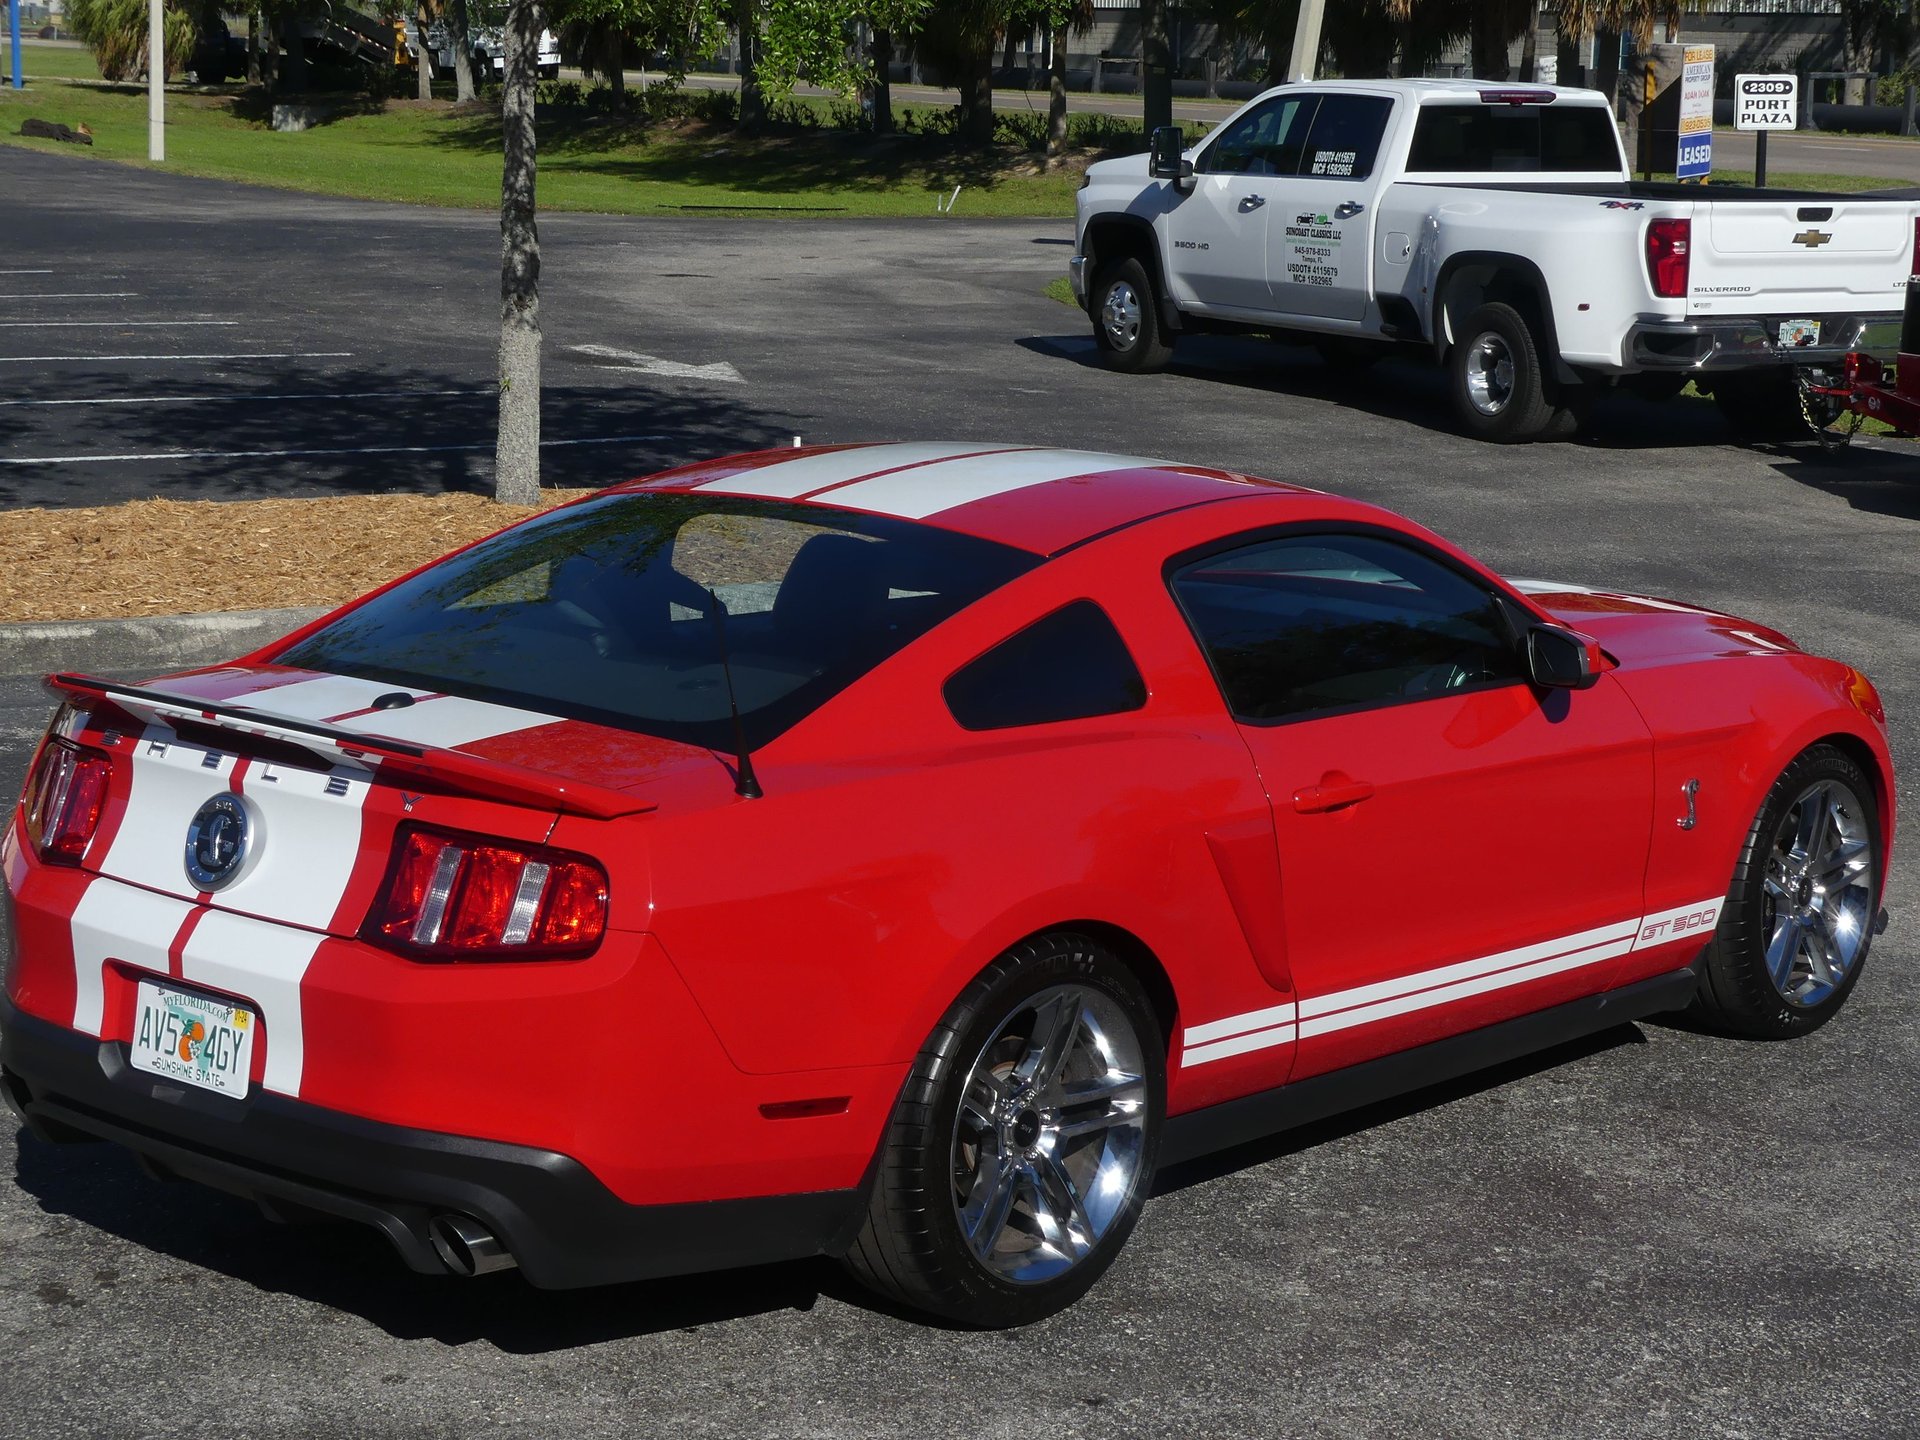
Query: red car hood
pixel 1639 628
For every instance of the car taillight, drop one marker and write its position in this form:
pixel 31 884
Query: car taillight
pixel 64 798
pixel 1668 242
pixel 462 897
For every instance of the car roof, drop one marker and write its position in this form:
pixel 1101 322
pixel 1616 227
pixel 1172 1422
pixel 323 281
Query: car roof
pixel 1039 500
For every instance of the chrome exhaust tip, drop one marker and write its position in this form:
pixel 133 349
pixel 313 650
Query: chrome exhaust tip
pixel 466 1247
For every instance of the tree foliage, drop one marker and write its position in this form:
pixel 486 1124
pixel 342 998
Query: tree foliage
pixel 116 32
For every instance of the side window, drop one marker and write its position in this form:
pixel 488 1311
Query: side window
pixel 1314 624
pixel 1069 666
pixel 1267 140
pixel 1345 138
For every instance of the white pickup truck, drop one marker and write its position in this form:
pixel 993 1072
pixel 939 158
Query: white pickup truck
pixel 1496 228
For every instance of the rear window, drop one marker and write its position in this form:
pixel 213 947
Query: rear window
pixel 606 611
pixel 1515 139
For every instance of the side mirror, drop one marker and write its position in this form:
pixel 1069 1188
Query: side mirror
pixel 1164 160
pixel 1561 660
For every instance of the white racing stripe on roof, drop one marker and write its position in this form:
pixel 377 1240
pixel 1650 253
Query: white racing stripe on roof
pixel 321 698
pixel 930 489
pixel 790 479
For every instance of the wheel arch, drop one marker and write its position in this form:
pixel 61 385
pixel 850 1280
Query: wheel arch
pixel 1474 278
pixel 1119 237
pixel 1864 755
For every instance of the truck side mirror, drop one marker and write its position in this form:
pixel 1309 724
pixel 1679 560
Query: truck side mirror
pixel 1561 660
pixel 1164 160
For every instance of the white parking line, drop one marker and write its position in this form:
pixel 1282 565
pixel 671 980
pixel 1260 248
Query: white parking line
pixel 76 295
pixel 287 454
pixel 25 272
pixel 106 324
pixel 217 399
pixel 253 355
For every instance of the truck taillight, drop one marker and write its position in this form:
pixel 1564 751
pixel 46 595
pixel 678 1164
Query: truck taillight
pixel 463 897
pixel 1668 242
pixel 1913 264
pixel 64 798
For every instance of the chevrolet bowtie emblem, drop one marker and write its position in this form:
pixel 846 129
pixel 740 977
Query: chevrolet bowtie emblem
pixel 1812 238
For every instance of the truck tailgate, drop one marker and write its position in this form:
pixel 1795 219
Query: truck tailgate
pixel 1799 256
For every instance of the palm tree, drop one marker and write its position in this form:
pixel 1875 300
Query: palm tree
pixel 116 32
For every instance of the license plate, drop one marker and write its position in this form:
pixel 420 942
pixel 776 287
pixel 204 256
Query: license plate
pixel 1799 332
pixel 193 1038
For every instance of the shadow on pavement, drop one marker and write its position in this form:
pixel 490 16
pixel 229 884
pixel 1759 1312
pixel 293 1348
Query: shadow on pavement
pixel 357 436
pixel 1877 481
pixel 350 1268
pixel 1292 1142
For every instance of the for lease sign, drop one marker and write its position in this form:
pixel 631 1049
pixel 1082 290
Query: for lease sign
pixel 1696 113
pixel 1766 102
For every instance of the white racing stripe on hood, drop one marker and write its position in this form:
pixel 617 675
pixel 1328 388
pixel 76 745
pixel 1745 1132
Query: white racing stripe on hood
pixel 790 479
pixel 929 489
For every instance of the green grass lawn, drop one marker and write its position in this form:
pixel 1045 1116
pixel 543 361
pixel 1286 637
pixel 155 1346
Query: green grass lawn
pixel 47 62
pixel 445 155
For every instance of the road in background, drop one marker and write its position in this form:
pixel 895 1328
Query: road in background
pixel 1655 1233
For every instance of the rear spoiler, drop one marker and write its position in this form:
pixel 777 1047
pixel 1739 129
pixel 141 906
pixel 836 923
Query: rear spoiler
pixel 401 762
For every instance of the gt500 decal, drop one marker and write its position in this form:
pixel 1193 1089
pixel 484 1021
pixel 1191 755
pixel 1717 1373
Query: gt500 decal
pixel 1425 989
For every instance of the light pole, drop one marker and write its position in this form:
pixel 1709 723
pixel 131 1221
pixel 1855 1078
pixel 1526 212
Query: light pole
pixel 1306 41
pixel 13 42
pixel 156 81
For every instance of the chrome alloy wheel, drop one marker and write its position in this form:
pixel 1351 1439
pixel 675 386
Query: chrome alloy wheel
pixel 1818 893
pixel 1120 314
pixel 1048 1142
pixel 1489 373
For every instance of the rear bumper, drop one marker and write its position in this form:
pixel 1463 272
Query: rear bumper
pixel 1077 277
pixel 562 1226
pixel 1747 342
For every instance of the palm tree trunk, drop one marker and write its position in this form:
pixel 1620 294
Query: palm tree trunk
pixel 460 38
pixel 253 46
pixel 516 463
pixel 882 80
pixel 976 97
pixel 1057 96
pixel 617 60
pixel 424 66
pixel 753 100
pixel 1530 49
pixel 1156 66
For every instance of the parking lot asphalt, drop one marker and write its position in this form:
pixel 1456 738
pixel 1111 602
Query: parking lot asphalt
pixel 1654 1233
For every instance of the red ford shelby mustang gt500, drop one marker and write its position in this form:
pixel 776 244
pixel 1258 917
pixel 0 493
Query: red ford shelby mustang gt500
pixel 896 853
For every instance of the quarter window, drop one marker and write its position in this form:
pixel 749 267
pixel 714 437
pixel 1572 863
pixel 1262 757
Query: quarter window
pixel 1070 666
pixel 1314 624
pixel 1267 140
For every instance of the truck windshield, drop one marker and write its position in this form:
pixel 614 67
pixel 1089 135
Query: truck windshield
pixel 605 611
pixel 1520 139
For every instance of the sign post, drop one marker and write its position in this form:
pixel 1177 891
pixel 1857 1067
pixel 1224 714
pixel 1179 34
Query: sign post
pixel 1695 158
pixel 13 42
pixel 1762 103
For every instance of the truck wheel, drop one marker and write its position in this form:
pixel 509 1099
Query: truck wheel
pixel 1499 391
pixel 1126 319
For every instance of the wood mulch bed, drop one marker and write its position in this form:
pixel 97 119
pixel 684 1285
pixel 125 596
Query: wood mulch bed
pixel 168 557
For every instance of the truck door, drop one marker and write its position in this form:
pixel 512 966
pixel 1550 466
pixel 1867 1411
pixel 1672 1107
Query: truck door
pixel 1318 242
pixel 1217 235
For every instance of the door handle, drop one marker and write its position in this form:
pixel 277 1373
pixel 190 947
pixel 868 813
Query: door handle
pixel 1334 792
pixel 1347 209
pixel 1251 202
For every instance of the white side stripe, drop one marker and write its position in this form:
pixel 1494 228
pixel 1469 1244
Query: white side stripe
pixel 1405 994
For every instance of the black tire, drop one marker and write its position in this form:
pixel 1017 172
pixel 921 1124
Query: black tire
pixel 1498 387
pixel 1762 405
pixel 1738 992
pixel 1126 319
pixel 913 1246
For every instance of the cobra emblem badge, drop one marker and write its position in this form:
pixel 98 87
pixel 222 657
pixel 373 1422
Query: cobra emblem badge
pixel 217 842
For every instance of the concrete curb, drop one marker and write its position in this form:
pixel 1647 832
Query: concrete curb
pixel 152 643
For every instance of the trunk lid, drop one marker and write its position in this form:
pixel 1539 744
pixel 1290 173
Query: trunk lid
pixel 326 776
